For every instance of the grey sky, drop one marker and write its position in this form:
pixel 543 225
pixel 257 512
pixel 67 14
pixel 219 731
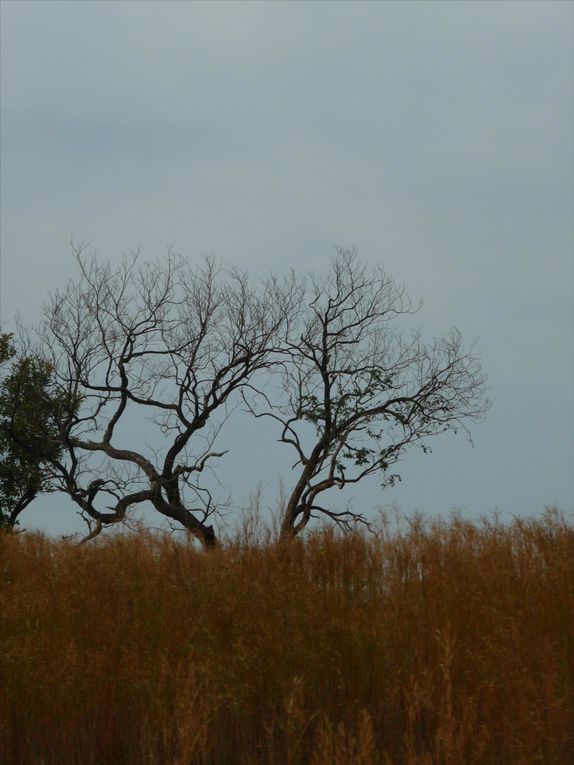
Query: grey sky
pixel 436 137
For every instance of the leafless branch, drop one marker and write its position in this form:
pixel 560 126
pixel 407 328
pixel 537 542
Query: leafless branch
pixel 173 341
pixel 357 393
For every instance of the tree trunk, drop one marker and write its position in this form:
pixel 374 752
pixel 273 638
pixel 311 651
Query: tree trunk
pixel 201 531
pixel 288 528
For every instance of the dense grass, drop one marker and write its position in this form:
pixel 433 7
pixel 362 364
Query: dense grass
pixel 444 643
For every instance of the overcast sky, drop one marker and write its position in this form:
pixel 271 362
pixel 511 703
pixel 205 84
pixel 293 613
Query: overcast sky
pixel 436 137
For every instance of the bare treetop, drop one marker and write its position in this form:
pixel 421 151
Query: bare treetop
pixel 173 340
pixel 177 345
pixel 368 391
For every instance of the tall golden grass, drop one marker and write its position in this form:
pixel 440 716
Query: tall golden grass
pixel 439 643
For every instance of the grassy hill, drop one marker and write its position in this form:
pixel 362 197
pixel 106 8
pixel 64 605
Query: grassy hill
pixel 440 643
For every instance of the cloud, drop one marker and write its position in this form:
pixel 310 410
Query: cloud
pixel 435 136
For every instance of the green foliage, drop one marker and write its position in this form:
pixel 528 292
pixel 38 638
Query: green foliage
pixel 29 432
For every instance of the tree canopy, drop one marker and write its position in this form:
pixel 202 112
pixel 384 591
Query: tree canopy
pixel 29 434
pixel 175 346
pixel 368 391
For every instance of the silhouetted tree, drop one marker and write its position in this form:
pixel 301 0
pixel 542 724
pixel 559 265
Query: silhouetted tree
pixel 175 346
pixel 171 343
pixel 356 393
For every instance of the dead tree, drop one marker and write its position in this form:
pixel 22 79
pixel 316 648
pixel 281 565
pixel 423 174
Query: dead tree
pixel 355 393
pixel 166 340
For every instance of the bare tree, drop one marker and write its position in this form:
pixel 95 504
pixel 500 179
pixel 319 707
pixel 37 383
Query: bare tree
pixel 181 344
pixel 166 339
pixel 356 394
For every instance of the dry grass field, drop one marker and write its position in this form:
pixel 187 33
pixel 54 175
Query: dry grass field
pixel 440 643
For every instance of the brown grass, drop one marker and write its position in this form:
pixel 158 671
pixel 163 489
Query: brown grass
pixel 443 643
